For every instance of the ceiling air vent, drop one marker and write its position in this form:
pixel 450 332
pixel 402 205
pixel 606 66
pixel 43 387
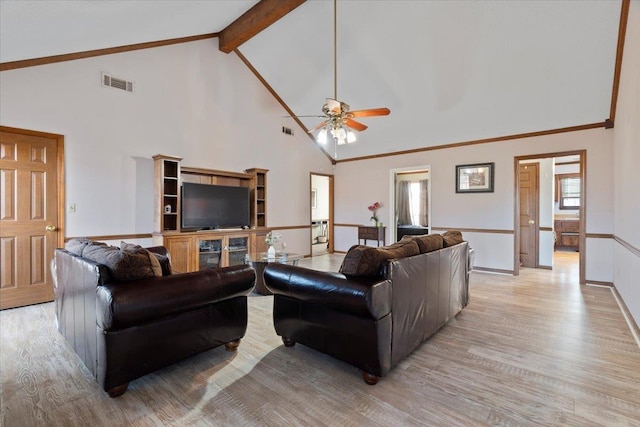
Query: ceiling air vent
pixel 110 81
pixel 287 131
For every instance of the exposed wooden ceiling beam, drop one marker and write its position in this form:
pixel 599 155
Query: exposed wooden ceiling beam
pixel 254 20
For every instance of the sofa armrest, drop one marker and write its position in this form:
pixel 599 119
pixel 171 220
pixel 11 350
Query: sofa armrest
pixel 124 304
pixel 364 296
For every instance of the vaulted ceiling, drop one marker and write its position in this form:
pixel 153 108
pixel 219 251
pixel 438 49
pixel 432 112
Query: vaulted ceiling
pixel 450 71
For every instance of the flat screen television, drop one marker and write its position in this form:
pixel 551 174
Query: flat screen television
pixel 207 207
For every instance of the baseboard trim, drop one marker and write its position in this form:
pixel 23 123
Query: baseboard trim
pixel 598 283
pixel 493 270
pixel 545 267
pixel 633 326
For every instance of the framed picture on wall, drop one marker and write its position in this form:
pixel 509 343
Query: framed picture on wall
pixel 475 178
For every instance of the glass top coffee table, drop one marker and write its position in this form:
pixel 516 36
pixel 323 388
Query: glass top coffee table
pixel 259 261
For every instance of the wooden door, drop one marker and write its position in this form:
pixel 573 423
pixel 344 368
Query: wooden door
pixel 28 216
pixel 529 193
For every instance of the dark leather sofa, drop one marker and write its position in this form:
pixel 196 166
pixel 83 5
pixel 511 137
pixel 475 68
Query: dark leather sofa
pixel 375 318
pixel 124 329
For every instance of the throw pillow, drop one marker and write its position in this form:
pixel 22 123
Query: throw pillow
pixel 400 250
pixel 367 261
pixel 165 263
pixel 451 238
pixel 361 260
pixel 153 259
pixel 77 246
pixel 123 265
pixel 426 243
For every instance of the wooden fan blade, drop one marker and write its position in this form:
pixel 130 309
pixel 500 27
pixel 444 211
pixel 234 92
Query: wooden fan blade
pixel 370 112
pixel 320 125
pixel 355 125
pixel 334 106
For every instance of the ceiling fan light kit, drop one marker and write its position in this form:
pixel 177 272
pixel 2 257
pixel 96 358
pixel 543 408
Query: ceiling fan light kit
pixel 339 121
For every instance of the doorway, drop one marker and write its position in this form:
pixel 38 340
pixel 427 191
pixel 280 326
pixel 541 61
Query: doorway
pixel 537 216
pixel 31 214
pixel 321 207
pixel 410 203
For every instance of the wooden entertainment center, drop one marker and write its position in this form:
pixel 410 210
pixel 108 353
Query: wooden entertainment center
pixel 198 250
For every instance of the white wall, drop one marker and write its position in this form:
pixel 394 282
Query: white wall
pixel 626 138
pixel 191 101
pixel 358 183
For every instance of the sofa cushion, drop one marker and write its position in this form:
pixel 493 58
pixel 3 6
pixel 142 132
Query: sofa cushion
pixel 451 238
pixel 427 242
pixel 77 246
pixel 365 261
pixel 123 265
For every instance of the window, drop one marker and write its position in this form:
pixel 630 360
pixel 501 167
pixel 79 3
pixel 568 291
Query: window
pixel 569 191
pixel 414 197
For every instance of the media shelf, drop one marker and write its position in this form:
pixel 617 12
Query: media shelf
pixel 191 250
pixel 259 196
pixel 167 193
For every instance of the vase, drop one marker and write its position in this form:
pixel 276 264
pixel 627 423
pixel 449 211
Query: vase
pixel 271 252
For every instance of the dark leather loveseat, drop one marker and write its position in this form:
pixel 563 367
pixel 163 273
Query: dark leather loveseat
pixel 382 305
pixel 134 317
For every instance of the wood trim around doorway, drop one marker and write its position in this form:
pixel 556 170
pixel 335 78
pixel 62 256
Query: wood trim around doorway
pixel 330 228
pixel 60 171
pixel 582 247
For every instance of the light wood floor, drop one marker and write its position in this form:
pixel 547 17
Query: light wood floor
pixel 533 350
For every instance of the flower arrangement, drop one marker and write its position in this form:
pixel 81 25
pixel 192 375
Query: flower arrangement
pixel 374 211
pixel 272 238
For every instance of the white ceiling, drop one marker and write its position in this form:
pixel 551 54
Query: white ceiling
pixel 450 71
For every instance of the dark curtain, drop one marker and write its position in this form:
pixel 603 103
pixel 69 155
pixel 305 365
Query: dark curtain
pixel 403 203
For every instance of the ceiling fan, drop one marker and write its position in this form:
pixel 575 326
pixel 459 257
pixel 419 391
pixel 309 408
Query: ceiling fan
pixel 339 121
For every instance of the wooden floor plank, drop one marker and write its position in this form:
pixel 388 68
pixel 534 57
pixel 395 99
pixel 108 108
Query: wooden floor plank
pixel 537 349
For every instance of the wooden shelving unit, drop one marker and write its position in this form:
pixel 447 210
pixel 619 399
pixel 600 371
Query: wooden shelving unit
pixel 190 250
pixel 167 193
pixel 259 196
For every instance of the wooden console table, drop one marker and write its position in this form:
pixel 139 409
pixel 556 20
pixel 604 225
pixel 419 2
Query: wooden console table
pixel 366 232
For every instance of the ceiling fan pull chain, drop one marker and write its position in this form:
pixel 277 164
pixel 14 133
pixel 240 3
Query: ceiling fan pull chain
pixel 335 49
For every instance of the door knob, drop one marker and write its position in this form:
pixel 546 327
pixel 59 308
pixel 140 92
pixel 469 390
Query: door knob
pixel 51 228
pixel 531 222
